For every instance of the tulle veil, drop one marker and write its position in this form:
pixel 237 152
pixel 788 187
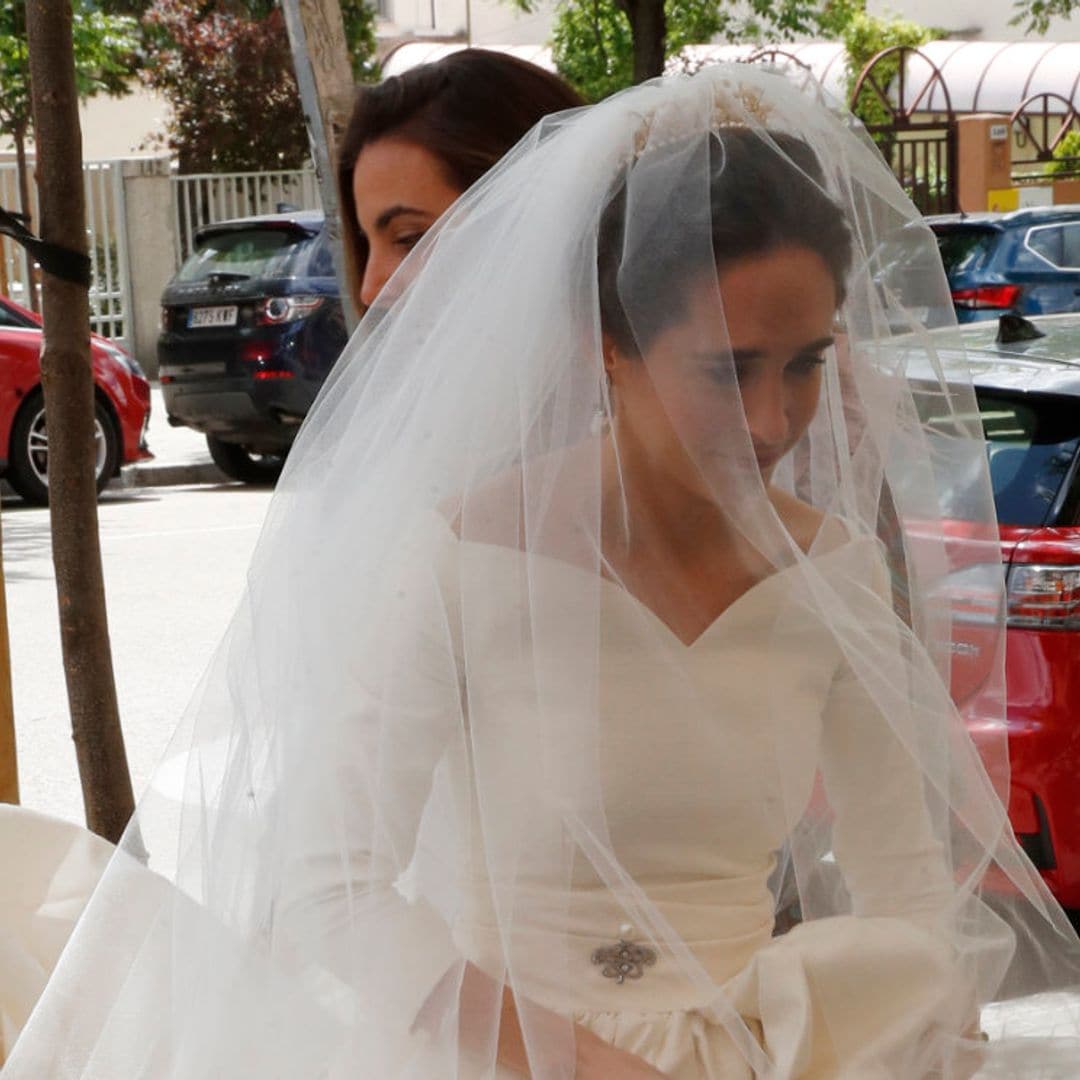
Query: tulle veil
pixel 450 742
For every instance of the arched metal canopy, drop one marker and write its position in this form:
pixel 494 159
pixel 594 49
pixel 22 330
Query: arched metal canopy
pixel 981 76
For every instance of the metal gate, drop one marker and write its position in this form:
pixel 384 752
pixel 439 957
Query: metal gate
pixel 1041 124
pixel 110 288
pixel 919 146
pixel 203 198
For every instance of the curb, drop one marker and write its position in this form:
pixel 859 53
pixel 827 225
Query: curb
pixel 141 476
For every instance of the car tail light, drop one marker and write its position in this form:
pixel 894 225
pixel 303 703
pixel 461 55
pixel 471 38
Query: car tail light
pixel 256 352
pixel 987 296
pixel 263 376
pixel 1044 596
pixel 276 310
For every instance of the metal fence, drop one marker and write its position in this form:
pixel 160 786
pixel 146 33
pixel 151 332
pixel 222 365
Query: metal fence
pixel 110 289
pixel 204 198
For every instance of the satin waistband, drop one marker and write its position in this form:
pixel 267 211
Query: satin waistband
pixel 584 951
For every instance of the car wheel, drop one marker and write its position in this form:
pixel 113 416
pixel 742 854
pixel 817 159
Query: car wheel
pixel 239 463
pixel 28 458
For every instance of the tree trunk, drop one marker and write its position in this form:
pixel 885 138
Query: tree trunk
pixel 69 406
pixel 23 174
pixel 325 80
pixel 648 28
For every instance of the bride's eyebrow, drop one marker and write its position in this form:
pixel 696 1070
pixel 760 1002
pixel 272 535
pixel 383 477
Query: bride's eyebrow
pixel 743 356
pixel 820 345
pixel 388 215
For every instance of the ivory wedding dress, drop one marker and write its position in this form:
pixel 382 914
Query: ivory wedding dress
pixel 447 726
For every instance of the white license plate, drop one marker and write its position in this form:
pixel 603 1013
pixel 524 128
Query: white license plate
pixel 212 316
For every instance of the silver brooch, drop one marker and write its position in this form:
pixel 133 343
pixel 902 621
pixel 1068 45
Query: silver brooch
pixel 623 960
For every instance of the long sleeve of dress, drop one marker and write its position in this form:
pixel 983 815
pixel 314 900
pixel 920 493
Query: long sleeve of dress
pixel 366 785
pixel 892 860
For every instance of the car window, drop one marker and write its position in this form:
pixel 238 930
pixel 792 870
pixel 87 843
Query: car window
pixel 1048 241
pixel 9 317
pixel 246 253
pixel 1031 444
pixel 1057 244
pixel 321 263
pixel 964 250
pixel 1071 244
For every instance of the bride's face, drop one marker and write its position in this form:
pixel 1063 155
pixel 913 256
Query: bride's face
pixel 735 383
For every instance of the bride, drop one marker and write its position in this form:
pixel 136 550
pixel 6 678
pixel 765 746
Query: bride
pixel 569 656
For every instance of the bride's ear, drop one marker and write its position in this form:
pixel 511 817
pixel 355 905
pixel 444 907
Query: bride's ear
pixel 612 356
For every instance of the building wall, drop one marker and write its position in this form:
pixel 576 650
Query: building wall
pixel 117 127
pixel 497 22
pixel 985 20
pixel 492 22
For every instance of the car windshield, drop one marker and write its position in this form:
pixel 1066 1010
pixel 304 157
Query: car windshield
pixel 1031 443
pixel 246 253
pixel 963 250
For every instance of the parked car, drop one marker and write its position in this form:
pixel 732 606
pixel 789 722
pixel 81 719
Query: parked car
pixel 122 406
pixel 1027 384
pixel 1024 261
pixel 251 325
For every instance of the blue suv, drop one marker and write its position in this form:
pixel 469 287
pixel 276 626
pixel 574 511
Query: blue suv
pixel 1024 261
pixel 251 325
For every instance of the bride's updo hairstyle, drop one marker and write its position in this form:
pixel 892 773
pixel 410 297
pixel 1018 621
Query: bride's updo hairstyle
pixel 767 191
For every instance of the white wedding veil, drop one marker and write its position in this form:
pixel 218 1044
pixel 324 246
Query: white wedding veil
pixel 559 672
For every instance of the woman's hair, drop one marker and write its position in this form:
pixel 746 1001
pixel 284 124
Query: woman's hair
pixel 467 109
pixel 766 191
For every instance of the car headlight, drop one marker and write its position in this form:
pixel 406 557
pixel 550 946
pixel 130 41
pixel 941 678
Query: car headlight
pixel 123 357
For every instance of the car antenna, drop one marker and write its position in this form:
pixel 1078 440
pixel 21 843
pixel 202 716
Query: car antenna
pixel 1013 328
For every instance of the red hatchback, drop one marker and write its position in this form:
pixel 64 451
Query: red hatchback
pixel 1029 400
pixel 122 406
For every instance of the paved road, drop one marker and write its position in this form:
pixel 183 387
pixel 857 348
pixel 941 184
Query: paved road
pixel 175 560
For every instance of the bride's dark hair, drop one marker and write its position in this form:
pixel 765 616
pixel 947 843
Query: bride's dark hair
pixel 767 191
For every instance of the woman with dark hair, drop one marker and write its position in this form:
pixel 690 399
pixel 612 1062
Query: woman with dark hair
pixel 418 140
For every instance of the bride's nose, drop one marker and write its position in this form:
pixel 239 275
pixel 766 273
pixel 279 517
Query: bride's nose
pixel 765 407
pixel 377 272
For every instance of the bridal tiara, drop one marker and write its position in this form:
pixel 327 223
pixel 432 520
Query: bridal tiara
pixel 734 107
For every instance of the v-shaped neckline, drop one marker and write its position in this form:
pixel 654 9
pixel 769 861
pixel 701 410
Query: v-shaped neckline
pixel 720 618
pixel 615 587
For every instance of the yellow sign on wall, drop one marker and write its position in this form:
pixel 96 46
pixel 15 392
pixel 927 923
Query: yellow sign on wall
pixel 1003 199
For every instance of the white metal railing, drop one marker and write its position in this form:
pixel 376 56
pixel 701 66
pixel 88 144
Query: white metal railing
pixel 203 198
pixel 110 289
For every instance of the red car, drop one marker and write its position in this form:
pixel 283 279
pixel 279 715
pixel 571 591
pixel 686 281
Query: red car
pixel 122 406
pixel 1028 391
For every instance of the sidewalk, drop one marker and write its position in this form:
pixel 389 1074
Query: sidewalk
pixel 180 455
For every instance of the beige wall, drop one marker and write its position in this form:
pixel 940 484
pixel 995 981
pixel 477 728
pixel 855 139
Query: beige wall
pixel 117 127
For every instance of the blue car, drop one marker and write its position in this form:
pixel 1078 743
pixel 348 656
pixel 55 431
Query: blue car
pixel 1024 261
pixel 251 325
